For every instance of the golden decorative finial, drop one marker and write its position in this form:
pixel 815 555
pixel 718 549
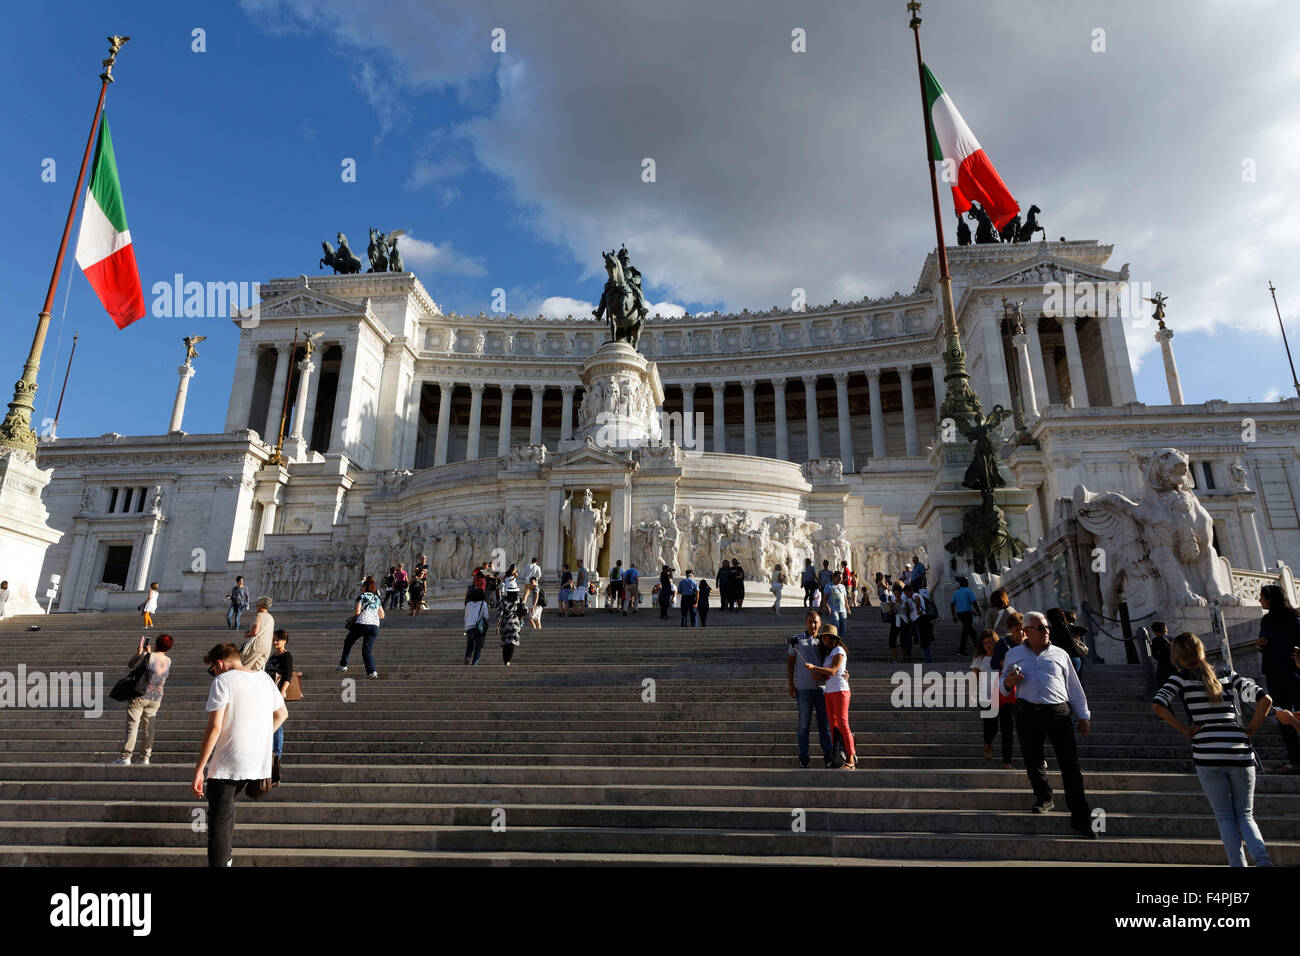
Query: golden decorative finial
pixel 114 46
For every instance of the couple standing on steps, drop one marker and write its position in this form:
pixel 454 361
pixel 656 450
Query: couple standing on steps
pixel 816 671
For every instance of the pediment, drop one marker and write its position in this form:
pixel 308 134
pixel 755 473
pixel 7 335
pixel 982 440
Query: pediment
pixel 301 302
pixel 587 457
pixel 1048 268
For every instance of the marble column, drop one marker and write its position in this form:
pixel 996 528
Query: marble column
pixel 275 405
pixel 719 416
pixel 909 411
pixel 1028 394
pixel 239 410
pixel 690 440
pixel 475 419
pixel 877 414
pixel 305 367
pixel 313 398
pixel 507 412
pixel 566 411
pixel 445 390
pixel 1119 373
pixel 413 420
pixel 142 578
pixel 748 385
pixel 1165 337
pixel 535 417
pixel 1074 361
pixel 1039 373
pixel 782 431
pixel 810 416
pixel 844 421
pixel 186 372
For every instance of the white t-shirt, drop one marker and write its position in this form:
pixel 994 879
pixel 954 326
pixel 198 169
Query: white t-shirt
pixel 838 682
pixel 243 750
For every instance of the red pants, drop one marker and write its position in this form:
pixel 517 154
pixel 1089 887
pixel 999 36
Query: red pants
pixel 837 715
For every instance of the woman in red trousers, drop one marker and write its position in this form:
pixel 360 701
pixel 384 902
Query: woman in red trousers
pixel 835 674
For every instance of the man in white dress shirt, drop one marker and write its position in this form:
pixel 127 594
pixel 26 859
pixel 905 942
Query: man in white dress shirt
pixel 1047 693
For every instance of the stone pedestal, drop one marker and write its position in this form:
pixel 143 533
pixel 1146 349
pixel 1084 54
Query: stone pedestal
pixel 25 534
pixel 623 395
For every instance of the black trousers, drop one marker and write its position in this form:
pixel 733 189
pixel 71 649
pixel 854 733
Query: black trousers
pixel 1037 722
pixel 1281 687
pixel 221 818
pixel 810 595
pixel 688 612
pixel 1004 723
pixel 967 628
pixel 703 611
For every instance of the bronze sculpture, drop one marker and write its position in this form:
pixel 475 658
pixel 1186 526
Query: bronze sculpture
pixel 622 303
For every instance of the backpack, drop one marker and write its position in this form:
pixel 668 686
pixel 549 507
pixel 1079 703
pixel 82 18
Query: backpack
pixel 615 574
pixel 931 610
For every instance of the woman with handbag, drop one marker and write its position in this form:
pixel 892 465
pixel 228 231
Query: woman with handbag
pixel 143 709
pixel 364 626
pixel 1221 750
pixel 280 666
pixel 476 622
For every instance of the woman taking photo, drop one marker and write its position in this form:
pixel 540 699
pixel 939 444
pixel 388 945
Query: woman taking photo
pixel 1221 751
pixel 143 709
pixel 837 689
pixel 367 612
pixel 1279 635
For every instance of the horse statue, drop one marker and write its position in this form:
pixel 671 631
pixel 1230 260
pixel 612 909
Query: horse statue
pixel 1009 232
pixel 395 263
pixel 378 251
pixel 963 232
pixel 984 232
pixel 621 302
pixel 343 262
pixel 1031 226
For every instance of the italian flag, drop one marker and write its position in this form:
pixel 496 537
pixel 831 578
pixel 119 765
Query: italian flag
pixel 104 249
pixel 952 140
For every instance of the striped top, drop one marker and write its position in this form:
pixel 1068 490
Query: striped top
pixel 1222 741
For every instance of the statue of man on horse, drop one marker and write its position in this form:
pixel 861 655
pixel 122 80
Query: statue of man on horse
pixel 623 302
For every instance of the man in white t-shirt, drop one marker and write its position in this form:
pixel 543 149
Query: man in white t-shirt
pixel 534 573
pixel 244 711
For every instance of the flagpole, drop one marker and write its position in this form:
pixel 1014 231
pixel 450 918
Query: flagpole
pixel 1295 381
pixel 960 400
pixel 16 429
pixel 64 389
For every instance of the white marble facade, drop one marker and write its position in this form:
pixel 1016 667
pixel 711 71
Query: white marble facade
pixel 797 434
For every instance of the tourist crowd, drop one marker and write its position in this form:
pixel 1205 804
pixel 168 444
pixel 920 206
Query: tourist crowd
pixel 1027 667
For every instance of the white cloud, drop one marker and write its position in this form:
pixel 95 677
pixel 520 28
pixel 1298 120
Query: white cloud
pixel 778 170
pixel 441 258
pixel 559 306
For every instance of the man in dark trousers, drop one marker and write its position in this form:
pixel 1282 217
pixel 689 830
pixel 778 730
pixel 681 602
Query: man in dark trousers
pixel 1047 693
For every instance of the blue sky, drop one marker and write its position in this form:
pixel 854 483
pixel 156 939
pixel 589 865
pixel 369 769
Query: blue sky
pixel 514 170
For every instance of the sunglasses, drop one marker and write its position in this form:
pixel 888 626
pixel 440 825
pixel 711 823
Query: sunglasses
pixel 1033 627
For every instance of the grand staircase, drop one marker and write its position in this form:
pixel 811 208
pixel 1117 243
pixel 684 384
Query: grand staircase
pixel 570 756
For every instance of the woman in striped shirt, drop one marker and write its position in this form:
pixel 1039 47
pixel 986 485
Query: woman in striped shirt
pixel 1221 751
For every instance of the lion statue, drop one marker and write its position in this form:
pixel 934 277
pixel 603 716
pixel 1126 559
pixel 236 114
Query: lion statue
pixel 1158 552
